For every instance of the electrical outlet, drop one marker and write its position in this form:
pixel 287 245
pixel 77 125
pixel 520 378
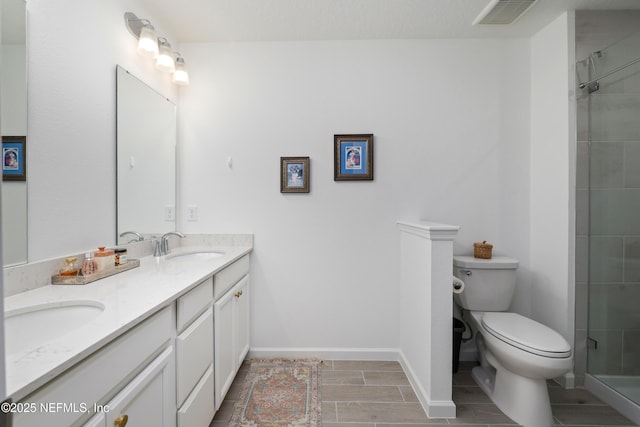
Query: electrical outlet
pixel 192 213
pixel 169 213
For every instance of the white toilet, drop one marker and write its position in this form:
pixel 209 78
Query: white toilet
pixel 517 354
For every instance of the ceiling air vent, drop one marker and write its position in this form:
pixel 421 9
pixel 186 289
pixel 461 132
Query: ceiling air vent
pixel 503 12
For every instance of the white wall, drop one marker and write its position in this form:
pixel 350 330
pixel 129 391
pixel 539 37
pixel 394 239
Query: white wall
pixel 451 126
pixel 73 49
pixel 553 156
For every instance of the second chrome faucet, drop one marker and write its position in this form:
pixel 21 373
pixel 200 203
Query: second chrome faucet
pixel 162 246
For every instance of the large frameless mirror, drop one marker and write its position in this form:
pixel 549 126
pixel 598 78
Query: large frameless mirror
pixel 146 159
pixel 13 98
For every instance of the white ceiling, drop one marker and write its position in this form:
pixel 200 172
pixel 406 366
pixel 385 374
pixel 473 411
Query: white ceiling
pixel 271 20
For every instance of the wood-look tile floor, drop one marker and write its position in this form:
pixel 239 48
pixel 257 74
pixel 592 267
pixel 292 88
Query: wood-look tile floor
pixel 378 394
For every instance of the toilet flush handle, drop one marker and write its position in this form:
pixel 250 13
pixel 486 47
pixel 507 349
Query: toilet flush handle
pixel 466 272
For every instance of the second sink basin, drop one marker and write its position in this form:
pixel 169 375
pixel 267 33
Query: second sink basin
pixel 29 327
pixel 193 256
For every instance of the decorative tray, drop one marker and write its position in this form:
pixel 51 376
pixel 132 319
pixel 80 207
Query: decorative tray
pixel 83 280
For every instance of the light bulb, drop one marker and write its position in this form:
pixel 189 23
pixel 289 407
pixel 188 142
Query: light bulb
pixel 164 61
pixel 148 42
pixel 180 75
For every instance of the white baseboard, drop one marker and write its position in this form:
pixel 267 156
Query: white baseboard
pixel 382 354
pixel 433 409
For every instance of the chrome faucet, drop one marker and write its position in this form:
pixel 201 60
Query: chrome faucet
pixel 164 243
pixel 139 237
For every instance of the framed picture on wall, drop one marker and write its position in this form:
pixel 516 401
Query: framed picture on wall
pixel 353 157
pixel 14 161
pixel 294 174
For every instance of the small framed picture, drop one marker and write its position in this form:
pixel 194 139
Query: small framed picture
pixel 353 157
pixel 14 161
pixel 294 174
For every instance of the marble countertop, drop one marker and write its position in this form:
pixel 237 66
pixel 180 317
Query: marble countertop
pixel 128 297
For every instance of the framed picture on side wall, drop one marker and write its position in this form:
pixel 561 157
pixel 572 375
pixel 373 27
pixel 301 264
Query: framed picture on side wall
pixel 353 157
pixel 14 158
pixel 294 174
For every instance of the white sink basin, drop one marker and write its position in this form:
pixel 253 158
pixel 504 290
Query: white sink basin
pixel 29 327
pixel 193 256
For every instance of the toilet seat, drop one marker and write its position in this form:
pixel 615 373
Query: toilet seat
pixel 526 334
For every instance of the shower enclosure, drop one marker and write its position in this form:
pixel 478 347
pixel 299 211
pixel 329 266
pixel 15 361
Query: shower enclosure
pixel 613 338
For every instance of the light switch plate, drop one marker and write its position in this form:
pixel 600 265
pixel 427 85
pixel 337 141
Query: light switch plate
pixel 192 213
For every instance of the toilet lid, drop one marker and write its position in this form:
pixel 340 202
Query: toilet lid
pixel 526 334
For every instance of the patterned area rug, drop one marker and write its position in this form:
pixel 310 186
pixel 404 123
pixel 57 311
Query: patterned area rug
pixel 279 393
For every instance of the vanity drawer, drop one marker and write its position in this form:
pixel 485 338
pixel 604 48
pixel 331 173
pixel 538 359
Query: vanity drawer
pixel 198 409
pixel 194 302
pixel 194 353
pixel 225 279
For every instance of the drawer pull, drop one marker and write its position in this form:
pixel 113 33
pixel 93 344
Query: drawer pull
pixel 238 294
pixel 121 421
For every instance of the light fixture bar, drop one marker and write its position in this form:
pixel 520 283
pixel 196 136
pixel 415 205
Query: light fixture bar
pixel 134 24
pixel 158 48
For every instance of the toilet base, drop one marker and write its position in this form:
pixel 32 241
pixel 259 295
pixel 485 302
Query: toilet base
pixel 524 400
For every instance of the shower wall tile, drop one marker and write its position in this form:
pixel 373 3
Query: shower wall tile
pixel 582 115
pixel 615 212
pixel 611 85
pixel 607 160
pixel 605 259
pixel 597 29
pixel 631 162
pixel 606 358
pixel 580 356
pixel 582 302
pixel 582 165
pixel 631 352
pixel 624 81
pixel 582 212
pixel 632 259
pixel 614 117
pixel 614 307
pixel 632 82
pixel 582 261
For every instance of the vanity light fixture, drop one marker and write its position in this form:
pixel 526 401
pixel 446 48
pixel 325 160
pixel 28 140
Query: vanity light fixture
pixel 180 75
pixel 164 61
pixel 158 48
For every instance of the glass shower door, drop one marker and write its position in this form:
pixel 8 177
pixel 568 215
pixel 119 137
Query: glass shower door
pixel 614 217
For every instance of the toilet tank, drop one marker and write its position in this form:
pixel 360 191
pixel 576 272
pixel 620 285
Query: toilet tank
pixel 488 283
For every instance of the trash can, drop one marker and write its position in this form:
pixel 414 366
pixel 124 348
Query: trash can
pixel 458 330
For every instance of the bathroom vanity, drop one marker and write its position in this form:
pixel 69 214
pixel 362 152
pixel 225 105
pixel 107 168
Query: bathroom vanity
pixel 147 350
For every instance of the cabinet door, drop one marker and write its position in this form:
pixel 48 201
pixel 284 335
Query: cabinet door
pixel 241 317
pixel 149 399
pixel 224 355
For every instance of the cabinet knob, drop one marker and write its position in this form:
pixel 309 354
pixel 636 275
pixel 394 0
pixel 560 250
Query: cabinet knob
pixel 121 421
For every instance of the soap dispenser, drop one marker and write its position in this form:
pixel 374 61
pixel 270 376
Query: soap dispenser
pixel 89 265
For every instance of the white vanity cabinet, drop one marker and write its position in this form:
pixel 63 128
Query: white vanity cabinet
pixel 231 312
pixel 131 374
pixel 194 356
pixel 171 369
pixel 146 391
